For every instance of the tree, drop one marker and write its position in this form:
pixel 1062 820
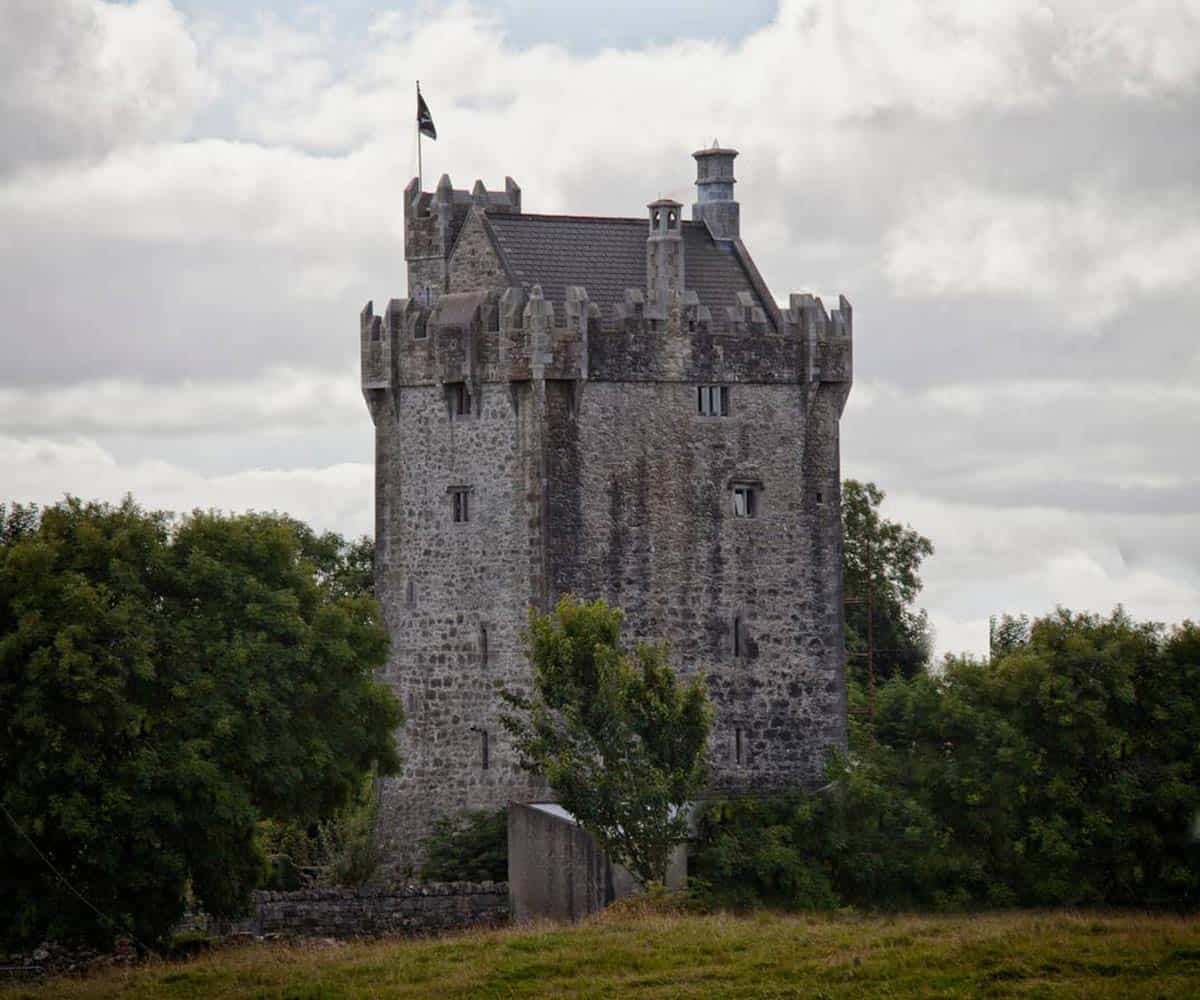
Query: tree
pixel 893 553
pixel 162 689
pixel 620 739
pixel 472 847
pixel 1064 771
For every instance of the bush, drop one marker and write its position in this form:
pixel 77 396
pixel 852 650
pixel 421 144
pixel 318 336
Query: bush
pixel 164 687
pixel 468 848
pixel 1064 772
pixel 341 850
pixel 615 732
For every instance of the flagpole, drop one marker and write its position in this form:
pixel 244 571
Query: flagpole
pixel 420 171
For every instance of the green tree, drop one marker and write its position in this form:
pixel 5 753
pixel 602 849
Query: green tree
pixel 1064 771
pixel 620 739
pixel 885 557
pixel 163 688
pixel 472 847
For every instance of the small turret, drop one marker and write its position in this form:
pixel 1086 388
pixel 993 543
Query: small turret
pixel 664 252
pixel 715 203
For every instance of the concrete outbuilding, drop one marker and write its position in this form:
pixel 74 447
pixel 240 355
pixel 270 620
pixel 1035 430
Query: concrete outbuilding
pixel 557 871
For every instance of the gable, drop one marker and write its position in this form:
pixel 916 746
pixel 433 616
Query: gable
pixel 474 263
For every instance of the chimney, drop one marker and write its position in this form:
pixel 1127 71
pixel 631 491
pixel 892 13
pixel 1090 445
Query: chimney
pixel 664 251
pixel 715 203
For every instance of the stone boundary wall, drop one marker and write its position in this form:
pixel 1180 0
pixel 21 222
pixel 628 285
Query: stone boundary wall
pixel 372 911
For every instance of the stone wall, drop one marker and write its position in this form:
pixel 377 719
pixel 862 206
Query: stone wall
pixel 411 909
pixel 474 264
pixel 651 529
pixel 454 596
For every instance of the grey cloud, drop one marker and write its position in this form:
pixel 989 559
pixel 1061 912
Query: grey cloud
pixel 217 262
pixel 78 78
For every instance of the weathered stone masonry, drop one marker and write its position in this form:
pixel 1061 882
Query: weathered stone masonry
pixel 540 430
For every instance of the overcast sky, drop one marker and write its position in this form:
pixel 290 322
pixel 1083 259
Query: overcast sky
pixel 197 198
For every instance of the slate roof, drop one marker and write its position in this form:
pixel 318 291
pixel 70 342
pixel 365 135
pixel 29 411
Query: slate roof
pixel 607 256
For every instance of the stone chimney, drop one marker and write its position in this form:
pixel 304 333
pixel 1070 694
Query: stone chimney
pixel 664 251
pixel 715 203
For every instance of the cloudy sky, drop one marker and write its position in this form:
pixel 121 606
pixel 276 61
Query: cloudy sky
pixel 196 199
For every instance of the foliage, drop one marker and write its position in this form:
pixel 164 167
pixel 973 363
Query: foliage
pixel 468 848
pixel 1101 956
pixel 1064 772
pixel 162 689
pixel 620 739
pixel 338 850
pixel 893 554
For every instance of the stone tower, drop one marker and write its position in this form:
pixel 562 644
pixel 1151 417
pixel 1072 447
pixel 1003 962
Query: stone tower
pixel 617 408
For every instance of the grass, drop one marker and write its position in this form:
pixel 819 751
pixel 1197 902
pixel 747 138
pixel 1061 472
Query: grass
pixel 631 954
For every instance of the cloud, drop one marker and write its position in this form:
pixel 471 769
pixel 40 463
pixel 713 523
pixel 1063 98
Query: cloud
pixel 1078 446
pixel 1085 257
pixel 1028 560
pixel 192 213
pixel 338 497
pixel 279 399
pixel 79 77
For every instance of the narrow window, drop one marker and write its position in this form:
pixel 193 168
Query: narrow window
pixel 744 500
pixel 737 745
pixel 737 635
pixel 483 645
pixel 713 400
pixel 483 749
pixel 458 399
pixel 410 594
pixel 461 505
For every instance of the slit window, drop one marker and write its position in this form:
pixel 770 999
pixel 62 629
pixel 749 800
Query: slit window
pixel 745 500
pixel 410 594
pixel 484 760
pixel 738 754
pixel 483 645
pixel 712 400
pixel 737 635
pixel 461 505
pixel 459 399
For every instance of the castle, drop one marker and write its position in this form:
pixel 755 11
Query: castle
pixel 616 408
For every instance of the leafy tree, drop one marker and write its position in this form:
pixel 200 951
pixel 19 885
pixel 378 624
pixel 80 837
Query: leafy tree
pixel 471 848
pixel 162 689
pixel 1064 771
pixel 1006 634
pixel 619 738
pixel 893 554
pixel 341 849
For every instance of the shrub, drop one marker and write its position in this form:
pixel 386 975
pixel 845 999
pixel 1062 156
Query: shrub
pixel 472 847
pixel 1066 771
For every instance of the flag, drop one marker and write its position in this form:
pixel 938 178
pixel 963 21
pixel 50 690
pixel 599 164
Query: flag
pixel 424 119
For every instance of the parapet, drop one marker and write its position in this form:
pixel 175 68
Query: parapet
pixel 517 334
pixel 829 336
pixel 418 203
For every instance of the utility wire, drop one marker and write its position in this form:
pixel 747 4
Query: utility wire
pixel 63 879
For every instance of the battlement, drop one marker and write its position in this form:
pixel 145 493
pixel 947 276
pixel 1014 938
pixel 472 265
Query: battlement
pixel 514 335
pixel 420 204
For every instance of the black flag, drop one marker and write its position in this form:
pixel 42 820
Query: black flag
pixel 424 119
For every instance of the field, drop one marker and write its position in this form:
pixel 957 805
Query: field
pixel 626 954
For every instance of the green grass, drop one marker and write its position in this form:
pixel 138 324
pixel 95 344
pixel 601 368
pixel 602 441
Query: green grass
pixel 624 953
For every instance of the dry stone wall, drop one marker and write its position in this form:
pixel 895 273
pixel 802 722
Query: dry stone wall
pixel 412 909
